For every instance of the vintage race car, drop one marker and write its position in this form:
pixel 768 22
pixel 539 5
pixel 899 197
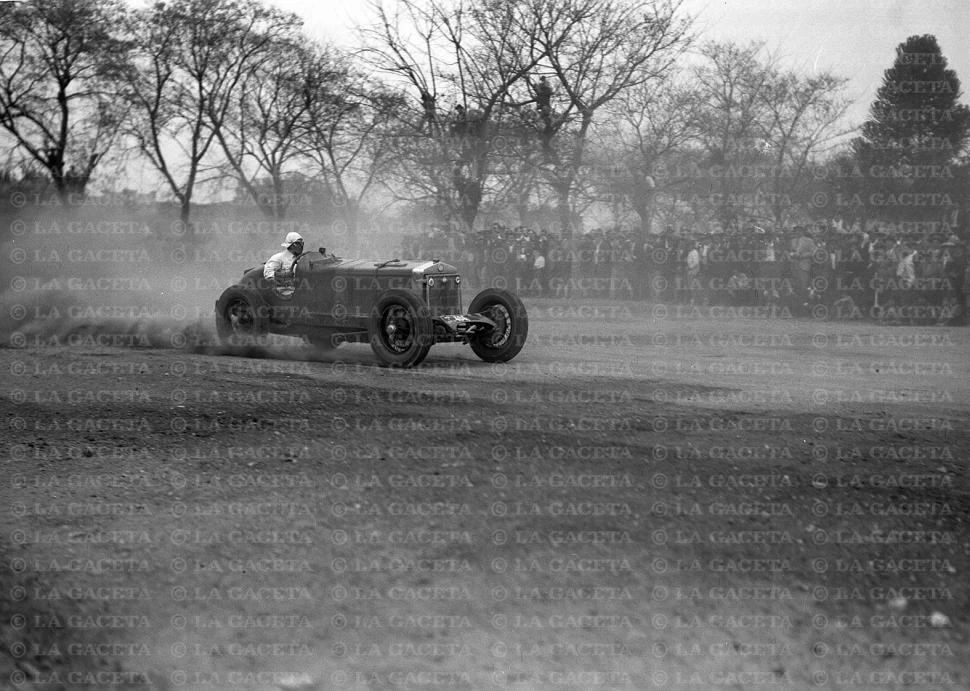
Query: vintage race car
pixel 401 308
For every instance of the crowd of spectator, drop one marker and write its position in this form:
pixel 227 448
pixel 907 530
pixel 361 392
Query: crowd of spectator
pixel 808 270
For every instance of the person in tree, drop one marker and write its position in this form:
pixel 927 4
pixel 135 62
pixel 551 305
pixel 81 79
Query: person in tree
pixel 544 97
pixel 460 120
pixel 428 105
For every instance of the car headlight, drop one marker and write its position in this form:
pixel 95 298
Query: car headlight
pixel 457 280
pixel 430 281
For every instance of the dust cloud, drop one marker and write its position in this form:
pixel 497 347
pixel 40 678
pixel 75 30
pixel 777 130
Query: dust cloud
pixel 104 272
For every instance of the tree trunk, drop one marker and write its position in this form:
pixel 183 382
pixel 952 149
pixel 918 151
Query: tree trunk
pixel 562 207
pixel 642 210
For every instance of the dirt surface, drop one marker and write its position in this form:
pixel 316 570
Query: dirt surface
pixel 647 497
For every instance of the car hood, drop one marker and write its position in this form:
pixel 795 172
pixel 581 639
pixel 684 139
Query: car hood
pixel 314 261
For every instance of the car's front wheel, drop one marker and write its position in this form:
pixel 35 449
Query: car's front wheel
pixel 504 342
pixel 241 316
pixel 400 329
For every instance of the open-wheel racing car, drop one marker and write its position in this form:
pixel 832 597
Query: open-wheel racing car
pixel 401 308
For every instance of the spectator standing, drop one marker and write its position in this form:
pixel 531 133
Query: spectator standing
pixel 803 251
pixel 954 274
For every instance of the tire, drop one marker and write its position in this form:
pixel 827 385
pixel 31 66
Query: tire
pixel 242 316
pixel 400 329
pixel 504 342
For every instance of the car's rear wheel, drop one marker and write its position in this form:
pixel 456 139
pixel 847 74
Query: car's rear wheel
pixel 242 316
pixel 400 329
pixel 504 342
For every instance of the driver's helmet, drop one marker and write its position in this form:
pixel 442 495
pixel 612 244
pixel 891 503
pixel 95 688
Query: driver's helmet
pixel 291 237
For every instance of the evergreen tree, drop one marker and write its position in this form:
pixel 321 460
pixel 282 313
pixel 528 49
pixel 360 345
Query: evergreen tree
pixel 916 131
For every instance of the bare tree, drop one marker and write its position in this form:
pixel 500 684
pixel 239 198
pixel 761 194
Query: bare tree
pixel 265 132
pixel 731 82
pixel 242 54
pixel 165 84
pixel 60 63
pixel 350 141
pixel 596 50
pixel 761 126
pixel 467 55
pixel 800 127
pixel 650 125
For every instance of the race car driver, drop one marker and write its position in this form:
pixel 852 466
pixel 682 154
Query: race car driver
pixel 280 265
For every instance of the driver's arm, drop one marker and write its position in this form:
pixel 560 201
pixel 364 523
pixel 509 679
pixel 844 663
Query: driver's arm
pixel 270 268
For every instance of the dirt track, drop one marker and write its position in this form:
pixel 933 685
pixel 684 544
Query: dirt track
pixel 643 498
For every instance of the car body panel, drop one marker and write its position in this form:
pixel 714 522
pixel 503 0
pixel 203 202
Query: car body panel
pixel 337 295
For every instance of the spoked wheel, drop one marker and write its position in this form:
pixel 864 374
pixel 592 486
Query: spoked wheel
pixel 241 316
pixel 400 329
pixel 504 342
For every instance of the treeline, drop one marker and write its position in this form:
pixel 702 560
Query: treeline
pixel 532 111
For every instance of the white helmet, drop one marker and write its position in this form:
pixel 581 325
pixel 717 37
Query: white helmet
pixel 291 237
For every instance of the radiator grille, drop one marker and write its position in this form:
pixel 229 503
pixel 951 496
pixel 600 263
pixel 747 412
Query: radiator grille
pixel 444 297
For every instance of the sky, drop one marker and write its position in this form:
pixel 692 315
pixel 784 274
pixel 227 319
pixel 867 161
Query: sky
pixel 855 39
